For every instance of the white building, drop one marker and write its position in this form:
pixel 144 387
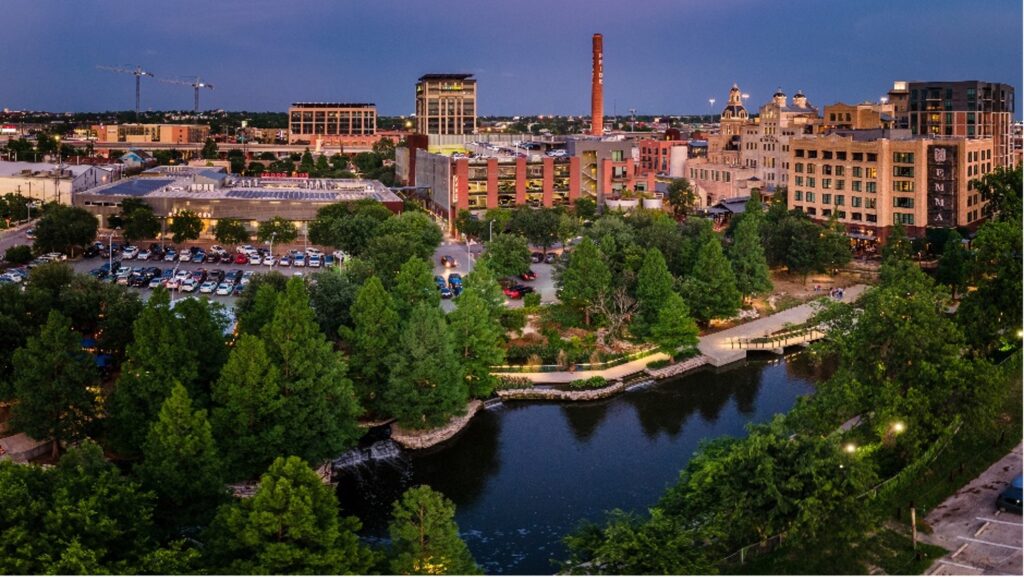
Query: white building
pixel 41 180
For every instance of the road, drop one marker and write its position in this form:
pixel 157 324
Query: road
pixel 14 236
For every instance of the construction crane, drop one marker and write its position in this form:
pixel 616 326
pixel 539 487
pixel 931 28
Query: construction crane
pixel 196 84
pixel 138 72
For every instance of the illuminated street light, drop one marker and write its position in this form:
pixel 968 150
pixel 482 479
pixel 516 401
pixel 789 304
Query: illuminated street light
pixel 898 427
pixel 850 448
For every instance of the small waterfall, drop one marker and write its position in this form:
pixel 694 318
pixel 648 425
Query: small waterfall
pixel 386 450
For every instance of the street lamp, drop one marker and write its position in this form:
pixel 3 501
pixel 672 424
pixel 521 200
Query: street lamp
pixel 272 235
pixel 898 427
pixel 850 448
pixel 56 179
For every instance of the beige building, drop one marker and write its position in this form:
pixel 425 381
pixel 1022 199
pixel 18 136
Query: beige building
pixel 864 116
pixel 870 180
pixel 331 123
pixel 446 104
pixel 143 133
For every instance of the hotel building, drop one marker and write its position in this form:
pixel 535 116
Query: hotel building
pixel 446 104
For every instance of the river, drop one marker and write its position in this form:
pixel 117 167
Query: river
pixel 524 474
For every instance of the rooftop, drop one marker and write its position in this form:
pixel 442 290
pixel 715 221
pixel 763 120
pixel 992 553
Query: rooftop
pixel 30 169
pixel 445 76
pixel 333 105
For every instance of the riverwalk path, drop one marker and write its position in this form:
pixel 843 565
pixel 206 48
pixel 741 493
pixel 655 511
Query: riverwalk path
pixel 719 348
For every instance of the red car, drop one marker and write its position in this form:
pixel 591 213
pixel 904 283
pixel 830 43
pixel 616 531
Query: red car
pixel 517 291
pixel 241 259
pixel 528 275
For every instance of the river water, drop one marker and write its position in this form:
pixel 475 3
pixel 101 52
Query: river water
pixel 524 474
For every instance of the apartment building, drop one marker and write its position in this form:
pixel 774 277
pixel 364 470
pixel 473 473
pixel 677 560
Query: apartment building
pixel 332 123
pixel 871 180
pixel 446 104
pixel 146 133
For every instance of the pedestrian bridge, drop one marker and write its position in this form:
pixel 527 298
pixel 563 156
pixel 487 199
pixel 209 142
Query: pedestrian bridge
pixel 777 341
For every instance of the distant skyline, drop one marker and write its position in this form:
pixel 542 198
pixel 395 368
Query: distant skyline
pixel 529 56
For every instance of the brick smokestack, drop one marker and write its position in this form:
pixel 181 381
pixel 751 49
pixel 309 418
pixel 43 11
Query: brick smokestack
pixel 597 88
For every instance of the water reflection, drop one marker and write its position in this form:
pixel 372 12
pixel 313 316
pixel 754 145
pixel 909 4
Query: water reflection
pixel 523 476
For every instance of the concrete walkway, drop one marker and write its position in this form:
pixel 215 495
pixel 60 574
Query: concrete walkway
pixel 720 350
pixel 716 346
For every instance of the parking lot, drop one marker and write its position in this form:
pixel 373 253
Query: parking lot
pixel 981 539
pixel 544 284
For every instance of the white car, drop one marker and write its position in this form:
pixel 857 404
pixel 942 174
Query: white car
pixel 245 248
pixel 218 249
pixel 130 252
pixel 188 285
pixel 208 287
pixel 170 256
pixel 224 289
pixel 269 260
pixel 313 252
pixel 55 256
pixel 144 255
pixel 315 261
pixel 185 256
pixel 173 284
pixel 285 261
pixel 340 256
pixel 246 277
pixel 300 260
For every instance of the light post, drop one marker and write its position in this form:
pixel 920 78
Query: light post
pixel 110 251
pixel 272 259
pixel 490 230
pixel 56 180
pixel 305 236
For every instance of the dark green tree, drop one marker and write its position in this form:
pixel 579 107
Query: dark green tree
pixel 478 342
pixel 185 226
pixel 674 329
pixel 210 151
pixel 413 285
pixel 206 323
pixel 508 255
pixel 159 357
pixel 306 164
pixel 182 465
pixel 585 278
pixel 747 257
pixel 711 291
pixel 281 229
pixel 290 526
pixel 654 285
pixel 373 338
pixel 427 387
pixel 55 384
pixel 231 231
pixel 681 197
pixel 991 314
pixel 482 282
pixel 255 308
pixel 18 254
pixel 331 296
pixel 1002 189
pixel 539 226
pixel 247 418
pixel 585 208
pixel 399 238
pixel 65 229
pixel 320 404
pixel 954 264
pixel 424 537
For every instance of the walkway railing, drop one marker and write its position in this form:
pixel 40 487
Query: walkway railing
pixel 776 341
pixel 579 367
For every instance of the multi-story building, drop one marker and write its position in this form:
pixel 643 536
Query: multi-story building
pixel 446 104
pixel 607 167
pixel 871 180
pixel 864 116
pixel 665 157
pixel 144 133
pixel 332 123
pixel 971 108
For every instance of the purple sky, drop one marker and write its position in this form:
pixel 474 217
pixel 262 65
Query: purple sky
pixel 529 56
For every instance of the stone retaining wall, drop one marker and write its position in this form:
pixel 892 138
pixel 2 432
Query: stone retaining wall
pixel 561 395
pixel 678 368
pixel 425 439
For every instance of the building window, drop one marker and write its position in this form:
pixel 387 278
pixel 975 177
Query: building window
pixel 903 157
pixel 799 152
pixel 902 218
pixel 903 186
pixel 902 202
pixel 855 216
pixel 798 167
pixel 841 155
pixel 871 172
pixel 810 196
pixel 840 184
pixel 826 212
pixel 840 171
pixel 826 199
pixel 798 195
pixel 872 157
pixel 826 154
pixel 858 157
pixel 870 202
pixel 871 186
pixel 840 214
pixel 855 201
pixel 858 172
pixel 871 217
pixel 812 154
pixel 810 181
pixel 799 180
pixel 826 183
pixel 903 171
pixel 826 169
pixel 840 200
pixel 811 211
pixel 810 169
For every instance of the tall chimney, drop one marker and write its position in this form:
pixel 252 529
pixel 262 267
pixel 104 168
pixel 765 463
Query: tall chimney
pixel 597 88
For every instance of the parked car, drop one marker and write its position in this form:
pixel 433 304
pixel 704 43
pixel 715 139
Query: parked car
pixel 330 261
pixel 212 258
pixel 208 287
pixel 91 251
pixel 189 285
pixel 454 280
pixel 241 259
pixel 300 260
pixel 30 234
pixel 339 256
pixel 1010 499
pixel 235 276
pixel 518 291
pixel 269 260
pixel 449 261
pixel 171 255
pixel 130 252
pixel 439 281
pixel 550 258
pixel 528 275
pixel 536 257
pixel 446 293
pixel 246 277
pixel 285 261
pixel 218 249
pixel 185 255
pixel 315 261
pixel 224 289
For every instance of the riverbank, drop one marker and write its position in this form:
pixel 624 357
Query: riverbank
pixel 410 439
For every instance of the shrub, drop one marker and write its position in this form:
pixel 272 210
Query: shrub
pixel 535 360
pixel 659 364
pixel 518 354
pixel 531 301
pixel 18 254
pixel 588 384
pixel 513 319
pixel 506 382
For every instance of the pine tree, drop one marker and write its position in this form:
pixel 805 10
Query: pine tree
pixel 424 537
pixel 483 283
pixel 711 290
pixel 414 284
pixel 427 387
pixel 261 312
pixel 159 356
pixel 954 264
pixel 320 405
pixel 675 328
pixel 247 417
pixel 290 526
pixel 747 257
pixel 585 278
pixel 52 381
pixel 374 339
pixel 478 340
pixel 182 466
pixel 205 321
pixel 654 285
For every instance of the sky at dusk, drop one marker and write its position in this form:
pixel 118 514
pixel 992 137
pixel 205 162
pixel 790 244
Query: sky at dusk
pixel 529 56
